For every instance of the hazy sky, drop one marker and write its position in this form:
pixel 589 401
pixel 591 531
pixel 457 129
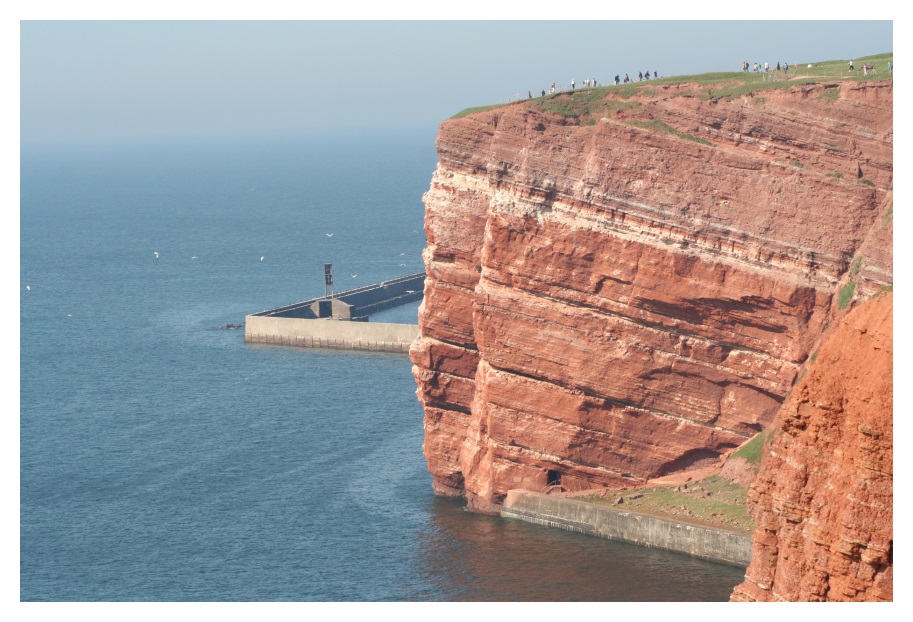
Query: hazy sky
pixel 131 80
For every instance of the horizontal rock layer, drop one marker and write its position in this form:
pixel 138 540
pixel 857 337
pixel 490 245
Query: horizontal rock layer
pixel 632 292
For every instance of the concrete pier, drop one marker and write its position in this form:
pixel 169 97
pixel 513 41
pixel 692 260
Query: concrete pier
pixel 341 321
pixel 719 545
pixel 355 304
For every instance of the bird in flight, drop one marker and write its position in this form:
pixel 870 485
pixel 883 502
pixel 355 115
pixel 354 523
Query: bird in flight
pixel 329 235
pixel 28 288
pixel 156 253
pixel 401 254
pixel 262 258
pixel 194 257
pixel 410 291
pixel 354 275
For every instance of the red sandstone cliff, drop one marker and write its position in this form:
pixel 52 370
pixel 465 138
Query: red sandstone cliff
pixel 632 292
pixel 823 499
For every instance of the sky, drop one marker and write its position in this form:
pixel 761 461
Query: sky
pixel 134 80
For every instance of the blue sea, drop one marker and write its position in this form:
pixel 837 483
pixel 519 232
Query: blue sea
pixel 163 459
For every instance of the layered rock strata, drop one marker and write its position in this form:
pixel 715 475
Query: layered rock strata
pixel 632 291
pixel 823 499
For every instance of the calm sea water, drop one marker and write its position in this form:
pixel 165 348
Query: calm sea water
pixel 162 459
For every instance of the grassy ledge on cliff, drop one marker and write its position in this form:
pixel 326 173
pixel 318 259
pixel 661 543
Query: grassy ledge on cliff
pixel 717 500
pixel 586 105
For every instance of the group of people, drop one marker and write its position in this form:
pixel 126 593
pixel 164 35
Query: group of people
pixel 757 67
pixel 746 66
pixel 591 82
pixel 866 68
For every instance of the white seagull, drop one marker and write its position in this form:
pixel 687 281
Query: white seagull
pixel 329 235
pixel 194 257
pixel 262 258
pixel 354 275
pixel 156 253
pixel 28 288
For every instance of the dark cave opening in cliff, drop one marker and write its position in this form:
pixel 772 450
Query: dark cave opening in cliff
pixel 553 478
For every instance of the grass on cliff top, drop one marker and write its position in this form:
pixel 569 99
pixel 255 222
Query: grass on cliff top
pixel 713 502
pixel 715 85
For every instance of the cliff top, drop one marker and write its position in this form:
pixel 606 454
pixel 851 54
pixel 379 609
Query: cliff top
pixel 582 103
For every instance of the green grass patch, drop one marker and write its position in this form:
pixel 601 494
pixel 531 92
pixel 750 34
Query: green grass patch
pixel 469 111
pixel 884 289
pixel 889 214
pixel 759 101
pixel 856 266
pixel 867 182
pixel 814 356
pixel 576 104
pixel 751 451
pixel 846 295
pixel 796 163
pixel 713 501
pixel 834 175
pixel 658 126
pixel 612 106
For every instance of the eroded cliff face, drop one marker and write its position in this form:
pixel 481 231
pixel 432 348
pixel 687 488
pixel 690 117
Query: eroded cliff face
pixel 823 499
pixel 632 292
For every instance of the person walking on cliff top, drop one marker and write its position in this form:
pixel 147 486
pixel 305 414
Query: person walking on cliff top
pixel 553 88
pixel 851 65
pixel 572 84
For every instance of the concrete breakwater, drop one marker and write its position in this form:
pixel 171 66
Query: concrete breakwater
pixel 708 543
pixel 341 321
pixel 355 304
pixel 330 333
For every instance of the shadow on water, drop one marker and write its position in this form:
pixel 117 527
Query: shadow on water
pixel 476 557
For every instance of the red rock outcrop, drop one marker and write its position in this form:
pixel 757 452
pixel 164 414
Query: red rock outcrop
pixel 631 292
pixel 823 499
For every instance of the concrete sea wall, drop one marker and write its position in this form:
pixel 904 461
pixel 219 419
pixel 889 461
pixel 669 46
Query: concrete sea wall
pixel 717 545
pixel 330 333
